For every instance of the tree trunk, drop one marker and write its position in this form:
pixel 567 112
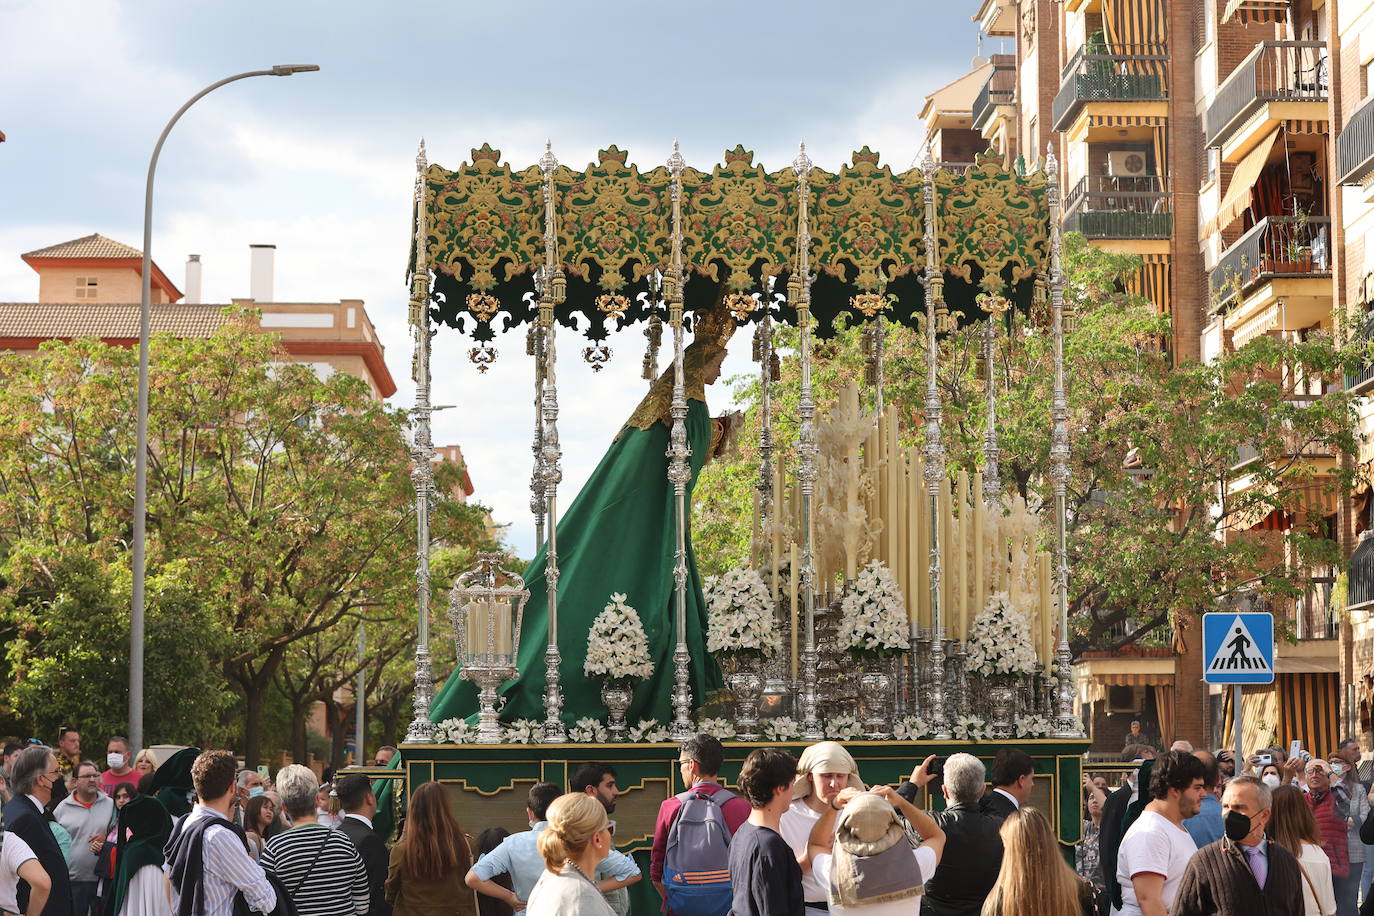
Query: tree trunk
pixel 337 717
pixel 299 751
pixel 252 723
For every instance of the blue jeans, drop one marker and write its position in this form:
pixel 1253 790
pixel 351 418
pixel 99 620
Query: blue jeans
pixel 83 895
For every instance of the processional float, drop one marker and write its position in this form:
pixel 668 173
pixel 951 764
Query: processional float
pixel 610 246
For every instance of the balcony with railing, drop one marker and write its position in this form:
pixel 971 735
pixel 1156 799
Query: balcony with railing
pixel 1118 73
pixel 1120 207
pixel 999 90
pixel 1279 80
pixel 1360 380
pixel 1295 444
pixel 1277 247
pixel 1355 146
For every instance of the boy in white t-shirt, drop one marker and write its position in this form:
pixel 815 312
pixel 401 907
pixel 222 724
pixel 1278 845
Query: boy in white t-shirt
pixel 17 862
pixel 1156 849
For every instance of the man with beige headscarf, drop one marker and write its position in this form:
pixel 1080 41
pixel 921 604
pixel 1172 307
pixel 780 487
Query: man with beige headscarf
pixel 824 771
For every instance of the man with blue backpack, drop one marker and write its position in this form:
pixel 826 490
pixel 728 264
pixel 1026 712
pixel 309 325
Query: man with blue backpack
pixel 690 861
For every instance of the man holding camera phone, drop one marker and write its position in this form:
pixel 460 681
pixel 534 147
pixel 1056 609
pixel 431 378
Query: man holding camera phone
pixel 973 849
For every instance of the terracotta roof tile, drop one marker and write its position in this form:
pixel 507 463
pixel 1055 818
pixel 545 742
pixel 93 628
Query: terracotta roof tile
pixel 94 245
pixel 46 320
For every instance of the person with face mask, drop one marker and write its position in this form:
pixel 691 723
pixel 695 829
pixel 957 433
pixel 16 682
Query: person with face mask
pixel 119 762
pixel 1271 776
pixel 1244 873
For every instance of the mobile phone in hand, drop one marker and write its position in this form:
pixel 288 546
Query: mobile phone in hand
pixel 937 767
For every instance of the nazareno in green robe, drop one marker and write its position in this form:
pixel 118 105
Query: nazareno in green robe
pixel 618 535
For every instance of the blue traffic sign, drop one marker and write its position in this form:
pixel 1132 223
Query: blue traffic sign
pixel 1238 648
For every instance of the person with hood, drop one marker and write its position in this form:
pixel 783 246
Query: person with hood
pixel 867 863
pixel 823 772
pixel 140 887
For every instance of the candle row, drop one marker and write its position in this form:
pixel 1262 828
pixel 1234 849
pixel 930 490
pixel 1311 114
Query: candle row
pixel 485 639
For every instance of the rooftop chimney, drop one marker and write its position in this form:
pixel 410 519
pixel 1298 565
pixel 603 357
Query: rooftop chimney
pixel 260 279
pixel 193 279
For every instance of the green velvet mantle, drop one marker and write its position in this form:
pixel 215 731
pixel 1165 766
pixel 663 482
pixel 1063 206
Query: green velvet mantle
pixel 617 536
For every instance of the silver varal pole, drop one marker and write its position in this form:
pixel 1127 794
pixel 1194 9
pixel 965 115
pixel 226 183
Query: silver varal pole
pixel 937 717
pixel 421 730
pixel 1065 722
pixel 552 291
pixel 799 292
pixel 679 471
pixel 536 349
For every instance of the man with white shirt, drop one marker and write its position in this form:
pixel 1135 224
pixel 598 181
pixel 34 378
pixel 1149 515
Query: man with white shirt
pixel 360 807
pixel 207 856
pixel 1157 848
pixel 1013 778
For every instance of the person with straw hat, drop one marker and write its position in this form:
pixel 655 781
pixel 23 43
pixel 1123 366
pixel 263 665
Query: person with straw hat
pixel 867 863
pixel 824 771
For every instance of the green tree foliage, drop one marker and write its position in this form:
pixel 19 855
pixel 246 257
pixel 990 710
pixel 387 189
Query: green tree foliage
pixel 280 511
pixel 1173 465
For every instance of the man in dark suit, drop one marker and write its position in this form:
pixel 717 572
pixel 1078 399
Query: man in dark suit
pixel 973 849
pixel 1013 777
pixel 360 806
pixel 33 775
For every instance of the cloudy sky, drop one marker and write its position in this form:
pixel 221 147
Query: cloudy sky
pixel 321 164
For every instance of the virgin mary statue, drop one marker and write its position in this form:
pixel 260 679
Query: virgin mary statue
pixel 619 536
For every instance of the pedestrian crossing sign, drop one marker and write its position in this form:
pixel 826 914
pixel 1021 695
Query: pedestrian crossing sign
pixel 1238 648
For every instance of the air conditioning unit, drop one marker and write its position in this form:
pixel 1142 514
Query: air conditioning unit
pixel 1125 162
pixel 1125 700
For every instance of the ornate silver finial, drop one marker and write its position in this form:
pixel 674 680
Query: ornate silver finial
pixel 801 166
pixel 927 159
pixel 421 160
pixel 675 162
pixel 1051 163
pixel 548 162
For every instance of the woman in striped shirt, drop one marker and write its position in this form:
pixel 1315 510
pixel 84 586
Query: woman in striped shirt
pixel 319 867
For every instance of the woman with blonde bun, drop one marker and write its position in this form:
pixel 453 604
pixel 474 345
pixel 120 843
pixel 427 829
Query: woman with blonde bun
pixel 577 839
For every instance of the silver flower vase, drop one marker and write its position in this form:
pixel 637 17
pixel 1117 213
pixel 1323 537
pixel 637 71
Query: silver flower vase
pixel 616 694
pixel 747 687
pixel 1001 704
pixel 875 689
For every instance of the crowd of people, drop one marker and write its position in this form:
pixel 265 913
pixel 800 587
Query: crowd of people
pixel 1186 834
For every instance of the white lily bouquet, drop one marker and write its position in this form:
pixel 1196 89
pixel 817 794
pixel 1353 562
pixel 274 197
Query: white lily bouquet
pixel 740 614
pixel 617 648
pixel 999 641
pixel 873 618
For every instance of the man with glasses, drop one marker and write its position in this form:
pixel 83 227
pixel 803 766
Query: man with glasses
pixel 86 814
pixel 33 775
pixel 699 762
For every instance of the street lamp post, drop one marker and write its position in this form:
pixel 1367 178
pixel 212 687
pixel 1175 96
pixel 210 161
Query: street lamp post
pixel 141 455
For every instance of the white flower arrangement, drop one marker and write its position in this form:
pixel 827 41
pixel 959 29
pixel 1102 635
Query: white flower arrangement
pixel 522 731
pixel 740 614
pixel 454 731
pixel 873 617
pixel 723 729
pixel 587 731
pixel 1033 726
pixel 843 728
pixel 783 728
pixel 970 728
pixel 999 641
pixel 649 730
pixel 616 644
pixel 910 728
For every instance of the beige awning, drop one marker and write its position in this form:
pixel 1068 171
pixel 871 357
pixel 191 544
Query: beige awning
pixel 1247 11
pixel 1237 199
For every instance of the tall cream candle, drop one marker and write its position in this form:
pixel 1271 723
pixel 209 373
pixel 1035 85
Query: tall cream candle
pixel 961 564
pixel 1047 606
pixel 978 555
pixel 503 626
pixel 916 495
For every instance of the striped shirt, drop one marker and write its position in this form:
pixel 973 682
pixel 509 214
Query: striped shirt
pixel 336 884
pixel 228 870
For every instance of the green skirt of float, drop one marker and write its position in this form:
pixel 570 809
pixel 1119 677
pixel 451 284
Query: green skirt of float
pixel 619 535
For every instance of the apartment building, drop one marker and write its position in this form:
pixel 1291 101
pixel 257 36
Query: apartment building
pixel 1226 143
